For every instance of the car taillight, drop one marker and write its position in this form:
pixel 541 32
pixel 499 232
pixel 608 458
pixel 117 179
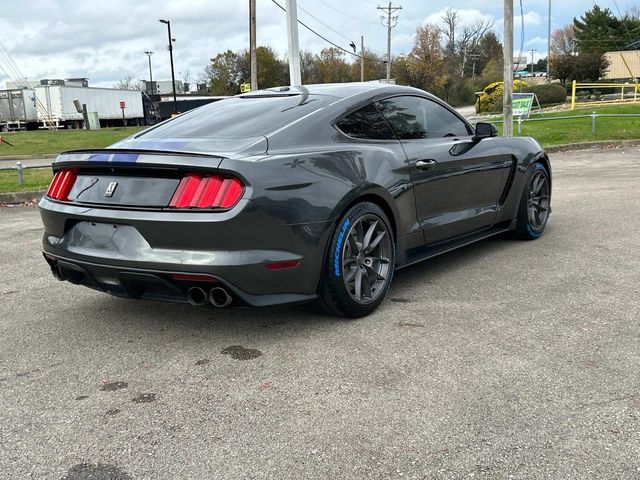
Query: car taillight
pixel 207 191
pixel 61 185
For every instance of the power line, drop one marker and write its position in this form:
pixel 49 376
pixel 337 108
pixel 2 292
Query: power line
pixel 346 14
pixel 322 23
pixel 413 20
pixel 624 24
pixel 329 41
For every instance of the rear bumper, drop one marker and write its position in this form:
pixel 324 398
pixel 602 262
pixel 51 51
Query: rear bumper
pixel 157 284
pixel 125 247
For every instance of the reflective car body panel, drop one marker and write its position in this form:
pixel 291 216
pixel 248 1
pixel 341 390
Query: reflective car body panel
pixel 298 178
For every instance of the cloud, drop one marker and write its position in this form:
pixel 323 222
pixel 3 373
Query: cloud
pixel 105 40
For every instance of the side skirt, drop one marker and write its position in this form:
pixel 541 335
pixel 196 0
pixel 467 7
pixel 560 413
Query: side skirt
pixel 417 255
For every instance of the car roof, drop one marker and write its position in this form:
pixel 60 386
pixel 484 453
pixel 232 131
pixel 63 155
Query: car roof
pixel 340 90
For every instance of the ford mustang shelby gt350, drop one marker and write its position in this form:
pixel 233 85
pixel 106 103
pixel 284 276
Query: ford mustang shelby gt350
pixel 289 195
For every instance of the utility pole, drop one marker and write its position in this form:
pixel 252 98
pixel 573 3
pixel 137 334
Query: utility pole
pixel 507 54
pixel 389 11
pixel 148 53
pixel 173 75
pixel 252 45
pixel 295 76
pixel 548 80
pixel 362 58
pixel 532 52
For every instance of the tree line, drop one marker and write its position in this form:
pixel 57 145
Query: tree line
pixel 577 49
pixel 450 59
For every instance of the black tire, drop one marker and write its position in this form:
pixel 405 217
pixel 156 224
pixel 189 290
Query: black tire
pixel 535 204
pixel 360 262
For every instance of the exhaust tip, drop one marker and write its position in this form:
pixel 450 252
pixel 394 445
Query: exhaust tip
pixel 58 273
pixel 219 297
pixel 196 296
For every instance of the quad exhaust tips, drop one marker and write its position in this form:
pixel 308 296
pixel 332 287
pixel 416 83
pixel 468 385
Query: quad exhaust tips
pixel 219 297
pixel 196 296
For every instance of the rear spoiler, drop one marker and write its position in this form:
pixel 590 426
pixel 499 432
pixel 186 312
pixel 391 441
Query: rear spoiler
pixel 131 157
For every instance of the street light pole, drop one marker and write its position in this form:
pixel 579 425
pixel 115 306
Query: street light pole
pixel 173 76
pixel 148 53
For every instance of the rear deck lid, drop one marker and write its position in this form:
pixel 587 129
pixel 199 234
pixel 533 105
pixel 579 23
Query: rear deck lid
pixel 128 178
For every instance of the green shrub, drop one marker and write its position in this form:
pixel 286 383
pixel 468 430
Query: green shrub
pixel 487 102
pixel 548 93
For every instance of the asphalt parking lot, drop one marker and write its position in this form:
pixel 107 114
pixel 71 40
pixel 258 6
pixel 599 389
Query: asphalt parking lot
pixel 504 360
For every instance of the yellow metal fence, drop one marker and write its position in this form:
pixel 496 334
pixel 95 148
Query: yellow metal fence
pixel 624 88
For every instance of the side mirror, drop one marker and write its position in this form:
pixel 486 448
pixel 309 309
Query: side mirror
pixel 485 130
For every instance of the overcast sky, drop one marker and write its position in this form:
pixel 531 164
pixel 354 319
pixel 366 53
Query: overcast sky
pixel 105 40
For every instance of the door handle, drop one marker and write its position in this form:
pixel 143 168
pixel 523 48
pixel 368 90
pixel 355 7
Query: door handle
pixel 425 164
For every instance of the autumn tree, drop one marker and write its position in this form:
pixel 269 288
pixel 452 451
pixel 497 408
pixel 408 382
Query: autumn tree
pixel 332 68
pixel 425 65
pixel 374 66
pixel 308 67
pixel 223 74
pixel 272 71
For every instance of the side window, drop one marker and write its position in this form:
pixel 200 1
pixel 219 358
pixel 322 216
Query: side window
pixel 417 117
pixel 366 123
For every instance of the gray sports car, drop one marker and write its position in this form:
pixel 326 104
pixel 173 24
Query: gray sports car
pixel 289 195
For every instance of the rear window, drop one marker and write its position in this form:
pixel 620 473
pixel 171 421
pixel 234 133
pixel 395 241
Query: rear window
pixel 238 117
pixel 366 123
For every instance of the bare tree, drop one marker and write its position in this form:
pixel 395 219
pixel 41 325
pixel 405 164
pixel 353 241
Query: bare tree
pixel 127 83
pixel 563 41
pixel 462 40
pixel 632 12
pixel 451 20
pixel 470 38
pixel 187 77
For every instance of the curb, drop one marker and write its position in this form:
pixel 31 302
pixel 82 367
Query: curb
pixel 27 157
pixel 20 197
pixel 602 145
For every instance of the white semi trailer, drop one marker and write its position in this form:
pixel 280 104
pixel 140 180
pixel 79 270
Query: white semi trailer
pixel 59 109
pixel 52 106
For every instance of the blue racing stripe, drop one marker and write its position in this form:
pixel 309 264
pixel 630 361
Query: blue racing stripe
pixel 99 157
pixel 124 158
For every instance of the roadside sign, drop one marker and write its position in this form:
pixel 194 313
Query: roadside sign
pixel 522 104
pixel 245 87
pixel 122 105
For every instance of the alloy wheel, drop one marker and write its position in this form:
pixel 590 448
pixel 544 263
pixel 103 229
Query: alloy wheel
pixel 538 200
pixel 365 259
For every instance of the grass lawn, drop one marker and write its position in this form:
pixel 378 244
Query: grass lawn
pixel 46 142
pixel 578 130
pixel 34 179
